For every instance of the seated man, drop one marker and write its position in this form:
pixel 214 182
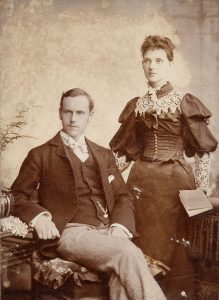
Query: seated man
pixel 85 212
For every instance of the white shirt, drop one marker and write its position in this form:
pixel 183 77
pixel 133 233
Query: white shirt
pixel 79 147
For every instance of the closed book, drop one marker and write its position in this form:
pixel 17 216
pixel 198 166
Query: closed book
pixel 194 201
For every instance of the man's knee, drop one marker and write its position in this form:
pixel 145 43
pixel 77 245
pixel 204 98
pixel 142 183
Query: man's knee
pixel 65 249
pixel 130 251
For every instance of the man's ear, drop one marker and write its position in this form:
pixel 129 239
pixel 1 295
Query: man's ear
pixel 91 113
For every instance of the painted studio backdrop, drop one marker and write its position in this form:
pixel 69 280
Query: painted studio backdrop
pixel 50 46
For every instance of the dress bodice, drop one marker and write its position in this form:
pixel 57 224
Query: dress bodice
pixel 161 145
pixel 162 124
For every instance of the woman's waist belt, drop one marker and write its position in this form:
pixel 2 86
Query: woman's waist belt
pixel 163 156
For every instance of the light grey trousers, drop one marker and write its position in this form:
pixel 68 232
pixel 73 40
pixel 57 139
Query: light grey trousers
pixel 93 248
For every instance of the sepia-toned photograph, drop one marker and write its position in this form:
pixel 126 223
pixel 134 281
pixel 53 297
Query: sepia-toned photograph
pixel 109 121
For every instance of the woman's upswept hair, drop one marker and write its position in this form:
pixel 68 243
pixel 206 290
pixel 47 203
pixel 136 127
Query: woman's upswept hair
pixel 158 42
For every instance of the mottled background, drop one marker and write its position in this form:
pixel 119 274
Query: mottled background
pixel 50 46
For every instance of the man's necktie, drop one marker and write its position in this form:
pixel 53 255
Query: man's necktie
pixel 79 149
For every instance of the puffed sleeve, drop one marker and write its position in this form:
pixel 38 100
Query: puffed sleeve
pixel 198 138
pixel 127 140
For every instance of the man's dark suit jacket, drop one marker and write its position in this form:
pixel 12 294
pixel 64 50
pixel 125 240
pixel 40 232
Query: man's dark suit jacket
pixel 48 169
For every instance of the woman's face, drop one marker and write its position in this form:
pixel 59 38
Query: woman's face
pixel 156 66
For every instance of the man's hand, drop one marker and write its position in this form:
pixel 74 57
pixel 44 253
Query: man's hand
pixel 46 229
pixel 117 231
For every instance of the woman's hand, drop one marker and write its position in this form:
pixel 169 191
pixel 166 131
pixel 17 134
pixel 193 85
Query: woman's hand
pixel 207 191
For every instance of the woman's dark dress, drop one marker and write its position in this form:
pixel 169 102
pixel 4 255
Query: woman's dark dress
pixel 156 143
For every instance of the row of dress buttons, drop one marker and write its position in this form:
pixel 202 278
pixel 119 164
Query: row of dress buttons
pixel 155 145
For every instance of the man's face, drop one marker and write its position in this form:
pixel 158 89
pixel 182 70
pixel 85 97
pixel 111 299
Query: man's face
pixel 156 66
pixel 74 115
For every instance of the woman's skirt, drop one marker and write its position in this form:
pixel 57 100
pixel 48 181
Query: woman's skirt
pixel 161 220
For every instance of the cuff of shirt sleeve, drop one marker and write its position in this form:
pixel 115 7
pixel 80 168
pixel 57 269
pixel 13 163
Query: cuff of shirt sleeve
pixel 130 235
pixel 35 219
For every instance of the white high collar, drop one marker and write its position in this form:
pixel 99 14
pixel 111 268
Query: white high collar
pixel 69 140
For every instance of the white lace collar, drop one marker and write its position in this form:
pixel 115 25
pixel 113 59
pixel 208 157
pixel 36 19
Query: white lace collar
pixel 150 103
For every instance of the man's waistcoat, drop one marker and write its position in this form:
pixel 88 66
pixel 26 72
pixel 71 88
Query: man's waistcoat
pixel 89 187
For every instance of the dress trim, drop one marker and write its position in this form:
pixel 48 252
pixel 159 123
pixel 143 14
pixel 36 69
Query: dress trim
pixel 202 169
pixel 121 162
pixel 168 103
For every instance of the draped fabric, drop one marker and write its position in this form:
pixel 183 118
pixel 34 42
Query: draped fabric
pixel 197 136
pixel 128 138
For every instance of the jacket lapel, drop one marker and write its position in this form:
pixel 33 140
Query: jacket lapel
pixel 57 141
pixel 100 155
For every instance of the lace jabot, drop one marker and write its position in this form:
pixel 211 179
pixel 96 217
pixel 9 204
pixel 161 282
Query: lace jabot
pixel 150 103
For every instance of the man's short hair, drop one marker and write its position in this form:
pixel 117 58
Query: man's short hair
pixel 78 92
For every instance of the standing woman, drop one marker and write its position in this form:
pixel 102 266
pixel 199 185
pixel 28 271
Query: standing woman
pixel 156 129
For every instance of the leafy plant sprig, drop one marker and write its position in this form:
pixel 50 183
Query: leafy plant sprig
pixel 11 131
